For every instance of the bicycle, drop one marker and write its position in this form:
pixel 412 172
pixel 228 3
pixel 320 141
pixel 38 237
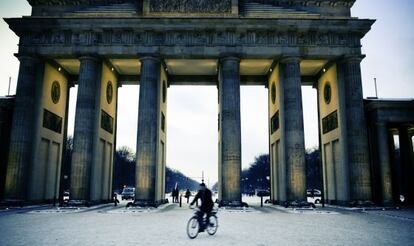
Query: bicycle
pixel 193 227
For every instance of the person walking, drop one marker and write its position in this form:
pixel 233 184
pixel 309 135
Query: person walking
pixel 115 199
pixel 187 195
pixel 177 193
pixel 173 195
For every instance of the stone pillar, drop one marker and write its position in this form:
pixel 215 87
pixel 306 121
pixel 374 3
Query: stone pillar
pixel 384 162
pixel 396 170
pixel 147 136
pixel 230 130
pixel 407 169
pixel 86 127
pixel 293 132
pixel 349 74
pixel 29 85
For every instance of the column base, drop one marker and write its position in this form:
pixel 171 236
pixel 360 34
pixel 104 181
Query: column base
pixel 78 203
pixel 355 203
pixel 14 203
pixel 147 203
pixel 294 204
pixel 84 203
pixel 359 203
pixel 387 203
pixel 232 204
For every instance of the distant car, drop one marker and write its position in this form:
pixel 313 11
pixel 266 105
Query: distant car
pixel 66 196
pixel 313 192
pixel 128 193
pixel 314 196
pixel 314 200
pixel 262 193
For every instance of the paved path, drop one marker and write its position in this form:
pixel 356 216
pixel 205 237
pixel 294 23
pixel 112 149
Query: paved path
pixel 270 225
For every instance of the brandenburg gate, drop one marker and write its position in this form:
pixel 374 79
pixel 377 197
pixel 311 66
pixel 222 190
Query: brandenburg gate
pixel 101 45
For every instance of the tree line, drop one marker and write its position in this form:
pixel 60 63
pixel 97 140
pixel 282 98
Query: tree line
pixel 256 176
pixel 124 171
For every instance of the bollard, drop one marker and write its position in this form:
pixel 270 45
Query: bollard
pixel 261 201
pixel 181 198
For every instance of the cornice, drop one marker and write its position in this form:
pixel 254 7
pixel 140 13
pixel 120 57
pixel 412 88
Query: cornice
pixel 34 24
pixel 317 3
pixel 75 2
pixel 314 3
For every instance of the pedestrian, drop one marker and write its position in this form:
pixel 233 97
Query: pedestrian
pixel 177 191
pixel 173 195
pixel 187 195
pixel 115 199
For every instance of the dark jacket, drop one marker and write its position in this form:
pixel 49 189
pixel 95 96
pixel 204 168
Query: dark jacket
pixel 206 199
pixel 187 194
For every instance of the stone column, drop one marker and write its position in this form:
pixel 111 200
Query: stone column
pixel 147 135
pixel 349 73
pixel 407 169
pixel 86 124
pixel 293 133
pixel 396 168
pixel 384 162
pixel 230 130
pixel 29 85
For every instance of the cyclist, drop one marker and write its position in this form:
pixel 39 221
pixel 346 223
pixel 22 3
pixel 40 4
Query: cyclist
pixel 206 207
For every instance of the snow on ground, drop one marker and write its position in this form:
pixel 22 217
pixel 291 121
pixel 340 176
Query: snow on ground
pixel 270 225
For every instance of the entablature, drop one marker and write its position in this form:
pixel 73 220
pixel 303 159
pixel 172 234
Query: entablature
pixel 193 8
pixel 190 37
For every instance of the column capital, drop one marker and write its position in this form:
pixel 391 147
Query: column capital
pixel 152 57
pixel 89 57
pixel 380 123
pixel 33 57
pixel 229 58
pixel 288 59
pixel 352 58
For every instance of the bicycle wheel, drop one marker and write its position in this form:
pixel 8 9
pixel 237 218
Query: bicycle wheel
pixel 192 227
pixel 212 225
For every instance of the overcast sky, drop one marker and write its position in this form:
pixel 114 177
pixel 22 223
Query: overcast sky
pixel 192 111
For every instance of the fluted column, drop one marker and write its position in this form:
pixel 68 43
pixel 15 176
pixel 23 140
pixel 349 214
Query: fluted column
pixel 349 73
pixel 293 131
pixel 147 135
pixel 407 168
pixel 21 141
pixel 384 162
pixel 86 127
pixel 230 130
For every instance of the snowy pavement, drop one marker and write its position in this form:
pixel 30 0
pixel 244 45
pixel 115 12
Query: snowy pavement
pixel 270 225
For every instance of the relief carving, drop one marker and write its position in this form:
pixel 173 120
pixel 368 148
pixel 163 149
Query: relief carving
pixel 189 38
pixel 190 6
